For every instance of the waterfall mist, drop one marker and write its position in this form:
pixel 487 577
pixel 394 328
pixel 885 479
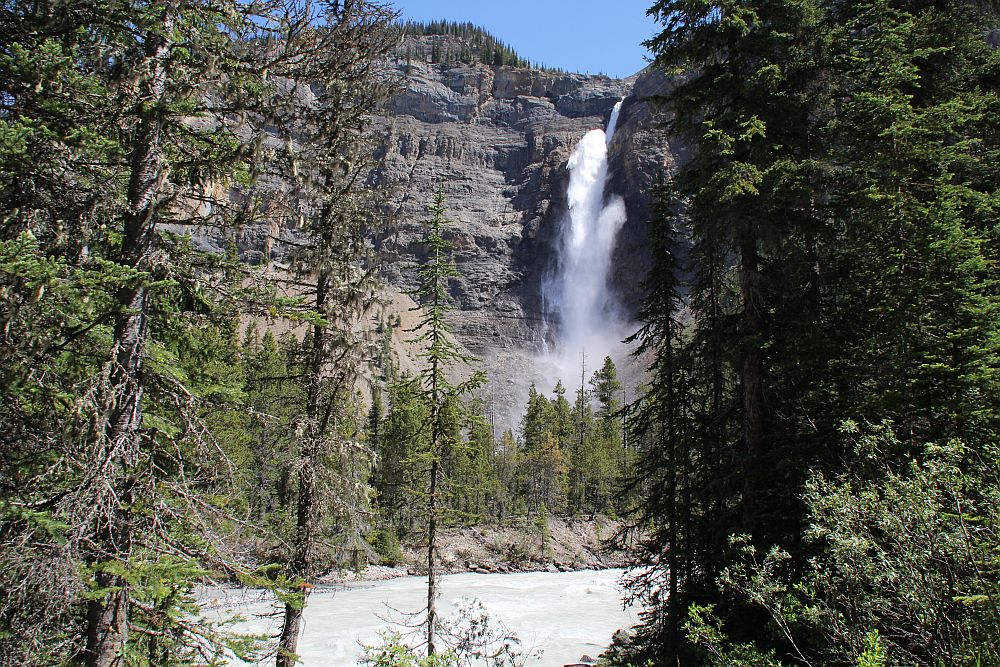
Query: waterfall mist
pixel 584 314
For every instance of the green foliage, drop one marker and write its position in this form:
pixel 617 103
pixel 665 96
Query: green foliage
pixel 704 629
pixel 392 652
pixel 385 542
pixel 130 451
pixel 874 653
pixel 403 435
pixel 901 572
pixel 565 459
pixel 839 263
pixel 916 540
pixel 477 45
pixel 442 398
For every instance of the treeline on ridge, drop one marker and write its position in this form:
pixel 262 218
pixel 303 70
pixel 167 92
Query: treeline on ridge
pixel 477 45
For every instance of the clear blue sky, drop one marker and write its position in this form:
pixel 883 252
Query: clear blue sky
pixel 576 35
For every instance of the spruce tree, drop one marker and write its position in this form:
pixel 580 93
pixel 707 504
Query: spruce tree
pixel 118 110
pixel 919 305
pixel 439 352
pixel 834 205
pixel 325 127
pixel 745 106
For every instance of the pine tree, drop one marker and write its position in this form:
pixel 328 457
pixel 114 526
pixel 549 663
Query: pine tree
pixel 476 472
pixel 829 222
pixel 746 108
pixel 506 467
pixel 919 307
pixel 326 136
pixel 617 463
pixel 543 469
pixel 437 391
pixel 584 452
pixel 273 397
pixel 112 106
pixel 403 438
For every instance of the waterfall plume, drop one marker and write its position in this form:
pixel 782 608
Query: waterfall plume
pixel 586 317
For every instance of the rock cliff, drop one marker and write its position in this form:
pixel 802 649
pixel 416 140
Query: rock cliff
pixel 497 139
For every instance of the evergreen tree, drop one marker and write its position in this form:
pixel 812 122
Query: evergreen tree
pixel 543 475
pixel 918 310
pixel 403 438
pixel 663 424
pixel 508 503
pixel 746 108
pixel 326 136
pixel 830 221
pixel 110 131
pixel 616 460
pixel 472 477
pixel 436 390
pixel 273 397
pixel 584 455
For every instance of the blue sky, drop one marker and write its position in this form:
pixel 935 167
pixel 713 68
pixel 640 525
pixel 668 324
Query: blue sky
pixel 576 35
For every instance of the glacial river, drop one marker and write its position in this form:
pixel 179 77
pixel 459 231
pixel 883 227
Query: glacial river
pixel 557 617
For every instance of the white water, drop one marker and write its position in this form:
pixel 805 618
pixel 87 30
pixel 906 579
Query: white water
pixel 558 617
pixel 589 320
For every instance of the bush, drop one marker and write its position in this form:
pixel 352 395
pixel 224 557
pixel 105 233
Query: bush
pixel 385 542
pixel 905 569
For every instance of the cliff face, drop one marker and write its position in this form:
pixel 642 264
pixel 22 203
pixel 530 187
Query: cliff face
pixel 497 139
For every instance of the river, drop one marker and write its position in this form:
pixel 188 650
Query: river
pixel 557 617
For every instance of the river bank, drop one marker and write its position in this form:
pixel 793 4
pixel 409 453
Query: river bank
pixel 561 544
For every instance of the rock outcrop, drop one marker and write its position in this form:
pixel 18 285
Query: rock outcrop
pixel 497 140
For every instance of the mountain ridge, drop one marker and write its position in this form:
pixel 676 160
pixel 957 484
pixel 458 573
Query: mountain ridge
pixel 497 138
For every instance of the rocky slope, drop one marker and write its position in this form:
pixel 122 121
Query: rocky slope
pixel 564 544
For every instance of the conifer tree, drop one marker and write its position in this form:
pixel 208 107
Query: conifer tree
pixel 271 397
pixel 403 438
pixel 325 128
pixel 542 461
pixel 829 222
pixel 662 424
pixel 584 451
pixel 118 109
pixel 615 460
pixel 919 307
pixel 746 109
pixel 150 115
pixel 439 353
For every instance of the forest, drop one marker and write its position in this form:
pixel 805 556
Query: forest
pixel 477 45
pixel 808 474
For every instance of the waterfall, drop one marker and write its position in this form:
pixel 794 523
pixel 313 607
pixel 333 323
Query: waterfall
pixel 588 319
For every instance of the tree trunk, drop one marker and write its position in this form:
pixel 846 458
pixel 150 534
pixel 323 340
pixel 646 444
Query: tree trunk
pixel 107 618
pixel 300 567
pixel 305 519
pixel 752 380
pixel 431 549
pixel 673 513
